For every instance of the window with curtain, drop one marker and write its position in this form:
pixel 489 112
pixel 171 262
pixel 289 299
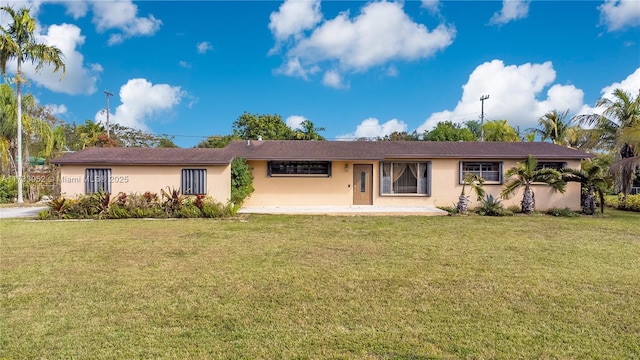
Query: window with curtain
pixel 411 178
pixel 194 181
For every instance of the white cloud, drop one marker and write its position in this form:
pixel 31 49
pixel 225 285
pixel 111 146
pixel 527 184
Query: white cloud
pixel 380 34
pixel 294 121
pixel 619 14
pixel 141 100
pixel 511 10
pixel 631 84
pixel 372 128
pixel 513 91
pixel 293 17
pixel 431 5
pixel 123 16
pixel 78 79
pixel 333 79
pixel 57 109
pixel 204 47
pixel 184 64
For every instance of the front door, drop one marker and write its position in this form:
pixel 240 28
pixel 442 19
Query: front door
pixel 362 184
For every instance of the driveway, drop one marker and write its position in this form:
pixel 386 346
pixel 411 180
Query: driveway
pixel 20 211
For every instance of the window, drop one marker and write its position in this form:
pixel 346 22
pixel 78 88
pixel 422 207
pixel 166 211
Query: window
pixel 194 181
pixel 405 178
pixel 299 168
pixel 97 180
pixel 491 172
pixel 551 165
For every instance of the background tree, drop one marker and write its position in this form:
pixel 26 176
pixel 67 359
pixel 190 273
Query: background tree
pixel 524 175
pixel 500 130
pixel 309 131
pixel 449 131
pixel 217 141
pixel 400 136
pixel 165 141
pixel 265 126
pixel 38 136
pixel 17 42
pixel 616 131
pixel 552 126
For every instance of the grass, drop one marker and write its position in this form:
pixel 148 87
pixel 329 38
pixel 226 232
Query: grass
pixel 322 287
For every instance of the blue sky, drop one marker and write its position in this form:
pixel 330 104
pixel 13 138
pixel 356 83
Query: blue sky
pixel 358 69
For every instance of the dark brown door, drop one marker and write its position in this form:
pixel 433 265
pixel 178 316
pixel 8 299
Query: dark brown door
pixel 362 184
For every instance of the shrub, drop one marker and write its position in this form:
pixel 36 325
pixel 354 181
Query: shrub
pixel 631 203
pixel 241 181
pixel 8 188
pixel 492 206
pixel 188 210
pixel 449 209
pixel 565 212
pixel 117 211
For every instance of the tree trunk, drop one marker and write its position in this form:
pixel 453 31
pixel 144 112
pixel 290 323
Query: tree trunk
pixel 528 203
pixel 463 205
pixel 589 206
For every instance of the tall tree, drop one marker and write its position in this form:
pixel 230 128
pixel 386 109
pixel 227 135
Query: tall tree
pixel 616 130
pixel 449 131
pixel 524 175
pixel 267 127
pixel 217 141
pixel 500 130
pixel 17 42
pixel 552 126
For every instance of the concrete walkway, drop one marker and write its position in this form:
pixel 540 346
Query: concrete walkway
pixel 20 211
pixel 346 210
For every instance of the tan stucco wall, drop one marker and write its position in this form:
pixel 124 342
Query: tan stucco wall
pixel 337 189
pixel 139 179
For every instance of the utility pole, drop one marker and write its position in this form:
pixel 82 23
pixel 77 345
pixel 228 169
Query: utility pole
pixel 108 94
pixel 482 99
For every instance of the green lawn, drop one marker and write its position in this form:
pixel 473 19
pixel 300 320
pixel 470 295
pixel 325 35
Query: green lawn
pixel 283 287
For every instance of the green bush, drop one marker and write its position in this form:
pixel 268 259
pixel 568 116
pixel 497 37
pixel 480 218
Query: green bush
pixel 147 205
pixel 565 212
pixel 8 188
pixel 492 206
pixel 449 209
pixel 241 181
pixel 631 203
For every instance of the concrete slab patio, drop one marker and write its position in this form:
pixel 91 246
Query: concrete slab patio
pixel 371 210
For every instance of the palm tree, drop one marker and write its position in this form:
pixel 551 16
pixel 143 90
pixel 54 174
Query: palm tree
pixel 18 42
pixel 552 126
pixel 475 182
pixel 309 131
pixel 525 174
pixel 594 180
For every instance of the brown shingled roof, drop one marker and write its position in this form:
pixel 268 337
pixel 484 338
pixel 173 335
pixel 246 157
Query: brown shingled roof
pixel 322 151
pixel 381 150
pixel 146 156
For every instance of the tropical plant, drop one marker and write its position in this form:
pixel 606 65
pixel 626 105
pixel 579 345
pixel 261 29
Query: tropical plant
pixel 475 182
pixel 552 126
pixel 492 206
pixel 309 131
pixel 18 42
pixel 449 131
pixel 526 174
pixel 594 180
